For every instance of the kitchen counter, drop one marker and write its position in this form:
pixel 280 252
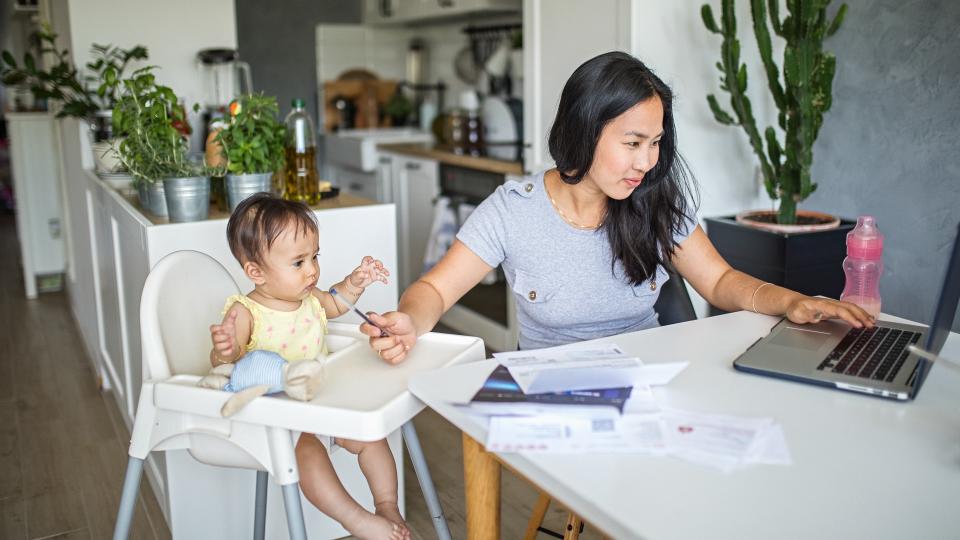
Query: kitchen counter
pixel 343 200
pixel 433 151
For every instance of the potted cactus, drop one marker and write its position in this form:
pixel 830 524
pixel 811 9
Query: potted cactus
pixel 770 248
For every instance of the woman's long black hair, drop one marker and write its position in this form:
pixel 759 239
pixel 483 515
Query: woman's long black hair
pixel 642 226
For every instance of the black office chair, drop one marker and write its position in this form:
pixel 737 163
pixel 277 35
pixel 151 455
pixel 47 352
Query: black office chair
pixel 674 305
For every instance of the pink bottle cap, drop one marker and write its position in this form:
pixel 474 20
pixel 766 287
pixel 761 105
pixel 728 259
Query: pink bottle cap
pixel 865 241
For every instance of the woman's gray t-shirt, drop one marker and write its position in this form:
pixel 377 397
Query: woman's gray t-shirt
pixel 560 276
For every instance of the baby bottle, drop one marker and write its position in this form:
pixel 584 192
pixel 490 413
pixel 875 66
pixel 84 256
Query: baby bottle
pixel 863 265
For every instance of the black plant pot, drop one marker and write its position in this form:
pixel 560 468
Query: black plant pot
pixel 809 262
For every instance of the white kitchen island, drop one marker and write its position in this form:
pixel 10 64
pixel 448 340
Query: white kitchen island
pixel 112 245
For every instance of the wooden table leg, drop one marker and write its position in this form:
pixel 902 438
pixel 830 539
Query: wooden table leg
pixel 536 518
pixel 481 475
pixel 572 529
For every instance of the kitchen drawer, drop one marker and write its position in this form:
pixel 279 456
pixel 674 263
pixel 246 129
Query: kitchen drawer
pixel 359 183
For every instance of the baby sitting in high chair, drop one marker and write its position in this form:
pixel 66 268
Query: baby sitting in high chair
pixel 276 243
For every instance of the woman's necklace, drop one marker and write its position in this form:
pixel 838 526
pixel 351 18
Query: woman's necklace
pixel 571 222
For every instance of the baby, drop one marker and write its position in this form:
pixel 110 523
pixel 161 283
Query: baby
pixel 276 243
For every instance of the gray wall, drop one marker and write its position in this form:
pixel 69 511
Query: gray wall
pixel 888 147
pixel 277 39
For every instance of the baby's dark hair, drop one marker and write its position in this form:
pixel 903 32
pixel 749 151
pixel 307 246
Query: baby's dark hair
pixel 259 219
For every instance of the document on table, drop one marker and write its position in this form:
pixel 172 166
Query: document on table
pixel 563 434
pixel 583 367
pixel 722 441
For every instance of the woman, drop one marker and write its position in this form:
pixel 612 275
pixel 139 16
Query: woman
pixel 583 246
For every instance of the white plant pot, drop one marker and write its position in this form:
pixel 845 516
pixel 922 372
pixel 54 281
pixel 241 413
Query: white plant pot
pixel 105 157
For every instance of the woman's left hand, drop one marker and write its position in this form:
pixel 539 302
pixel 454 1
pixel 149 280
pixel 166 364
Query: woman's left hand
pixel 370 270
pixel 809 309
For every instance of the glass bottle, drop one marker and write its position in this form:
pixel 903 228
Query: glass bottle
pixel 302 180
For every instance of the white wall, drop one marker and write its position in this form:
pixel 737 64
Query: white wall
pixel 671 39
pixel 172 30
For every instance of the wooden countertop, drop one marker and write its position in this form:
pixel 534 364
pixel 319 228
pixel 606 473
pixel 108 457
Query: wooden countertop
pixel 432 151
pixel 343 200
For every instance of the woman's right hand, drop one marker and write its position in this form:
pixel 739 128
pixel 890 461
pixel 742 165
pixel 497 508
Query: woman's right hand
pixel 392 349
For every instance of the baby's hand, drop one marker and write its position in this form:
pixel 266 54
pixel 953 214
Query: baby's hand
pixel 370 270
pixel 224 336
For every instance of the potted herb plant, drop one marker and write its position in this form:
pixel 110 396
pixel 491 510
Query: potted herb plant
pixel 61 82
pixel 766 244
pixel 155 151
pixel 106 71
pixel 252 143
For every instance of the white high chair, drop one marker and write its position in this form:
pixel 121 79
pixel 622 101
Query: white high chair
pixel 182 296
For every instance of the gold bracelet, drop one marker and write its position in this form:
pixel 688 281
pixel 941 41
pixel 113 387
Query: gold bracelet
pixel 753 299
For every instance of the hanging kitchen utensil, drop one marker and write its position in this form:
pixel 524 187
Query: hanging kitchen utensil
pixel 465 67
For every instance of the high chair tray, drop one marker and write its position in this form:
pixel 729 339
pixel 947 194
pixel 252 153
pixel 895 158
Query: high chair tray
pixel 362 397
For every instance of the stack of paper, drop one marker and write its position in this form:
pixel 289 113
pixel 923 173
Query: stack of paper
pixel 596 399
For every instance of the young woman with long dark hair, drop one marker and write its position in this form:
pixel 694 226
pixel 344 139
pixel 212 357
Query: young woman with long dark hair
pixel 584 246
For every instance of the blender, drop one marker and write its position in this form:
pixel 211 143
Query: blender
pixel 223 77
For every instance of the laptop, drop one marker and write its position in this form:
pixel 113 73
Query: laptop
pixel 873 361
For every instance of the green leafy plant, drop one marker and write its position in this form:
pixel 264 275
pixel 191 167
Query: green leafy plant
pixel 398 107
pixel 253 139
pixel 145 117
pixel 60 83
pixel 802 97
pixel 80 96
pixel 108 69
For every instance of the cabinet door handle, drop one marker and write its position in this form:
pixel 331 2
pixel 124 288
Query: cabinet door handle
pixel 412 166
pixel 445 3
pixel 385 161
pixel 356 187
pixel 386 8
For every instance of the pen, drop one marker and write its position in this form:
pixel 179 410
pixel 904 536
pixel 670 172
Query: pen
pixel 340 297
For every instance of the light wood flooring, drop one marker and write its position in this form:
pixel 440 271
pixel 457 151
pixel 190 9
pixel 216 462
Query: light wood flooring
pixel 63 443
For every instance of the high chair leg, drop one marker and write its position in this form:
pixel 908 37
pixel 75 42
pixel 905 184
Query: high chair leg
pixel 260 507
pixel 291 501
pixel 426 481
pixel 128 498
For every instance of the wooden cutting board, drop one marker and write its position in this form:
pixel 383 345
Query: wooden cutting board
pixel 369 97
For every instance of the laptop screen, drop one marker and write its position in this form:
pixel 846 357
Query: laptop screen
pixel 943 316
pixel 949 297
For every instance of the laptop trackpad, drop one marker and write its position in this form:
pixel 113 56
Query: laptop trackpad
pixel 800 339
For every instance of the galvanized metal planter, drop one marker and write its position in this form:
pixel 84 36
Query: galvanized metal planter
pixel 241 186
pixel 188 198
pixel 152 197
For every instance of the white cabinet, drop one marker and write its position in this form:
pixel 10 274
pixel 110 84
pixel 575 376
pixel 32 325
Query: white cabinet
pixel 359 183
pixel 34 147
pixel 550 56
pixel 409 11
pixel 415 185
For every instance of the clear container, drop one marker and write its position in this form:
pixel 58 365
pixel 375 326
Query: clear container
pixel 863 266
pixel 301 178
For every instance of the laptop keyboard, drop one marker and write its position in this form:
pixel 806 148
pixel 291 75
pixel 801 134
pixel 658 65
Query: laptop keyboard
pixel 874 353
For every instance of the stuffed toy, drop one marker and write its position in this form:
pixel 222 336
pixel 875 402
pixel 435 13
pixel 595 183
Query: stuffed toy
pixel 264 372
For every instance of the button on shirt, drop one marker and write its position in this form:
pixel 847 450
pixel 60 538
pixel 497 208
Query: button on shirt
pixel 560 276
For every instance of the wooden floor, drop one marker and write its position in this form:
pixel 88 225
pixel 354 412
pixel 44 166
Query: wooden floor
pixel 63 443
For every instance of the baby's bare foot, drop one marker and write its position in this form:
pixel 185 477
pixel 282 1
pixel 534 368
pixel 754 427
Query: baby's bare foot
pixel 392 513
pixel 367 526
